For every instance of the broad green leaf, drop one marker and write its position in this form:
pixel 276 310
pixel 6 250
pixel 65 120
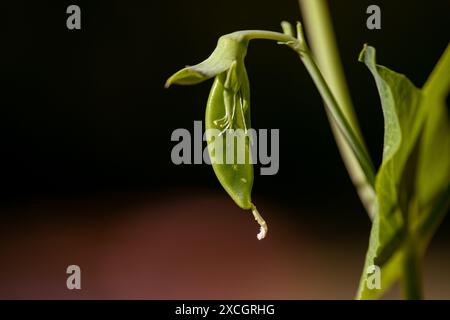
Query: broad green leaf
pixel 413 182
pixel 403 120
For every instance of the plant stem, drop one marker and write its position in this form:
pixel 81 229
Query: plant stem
pixel 353 140
pixel 299 45
pixel 261 34
pixel 436 86
pixel 322 40
pixel 320 31
pixel 426 227
pixel 438 83
pixel 411 276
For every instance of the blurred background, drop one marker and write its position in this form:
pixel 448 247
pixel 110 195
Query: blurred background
pixel 86 173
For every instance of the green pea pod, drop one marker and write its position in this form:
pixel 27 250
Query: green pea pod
pixel 236 178
pixel 227 120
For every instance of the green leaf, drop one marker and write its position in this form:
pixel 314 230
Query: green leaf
pixel 413 182
pixel 403 121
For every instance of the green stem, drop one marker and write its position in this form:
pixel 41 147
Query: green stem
pixel 438 83
pixel 299 45
pixel 261 34
pixel 437 86
pixel 411 276
pixel 336 113
pixel 322 40
pixel 324 47
pixel 427 226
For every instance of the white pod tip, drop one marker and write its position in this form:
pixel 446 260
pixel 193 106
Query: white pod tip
pixel 262 224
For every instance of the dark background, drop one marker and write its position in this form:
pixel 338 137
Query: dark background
pixel 85 118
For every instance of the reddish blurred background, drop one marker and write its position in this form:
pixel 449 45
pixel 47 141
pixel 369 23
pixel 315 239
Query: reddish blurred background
pixel 193 246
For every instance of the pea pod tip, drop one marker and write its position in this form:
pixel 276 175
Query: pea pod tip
pixel 262 224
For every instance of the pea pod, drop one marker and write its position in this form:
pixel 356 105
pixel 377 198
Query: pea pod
pixel 227 119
